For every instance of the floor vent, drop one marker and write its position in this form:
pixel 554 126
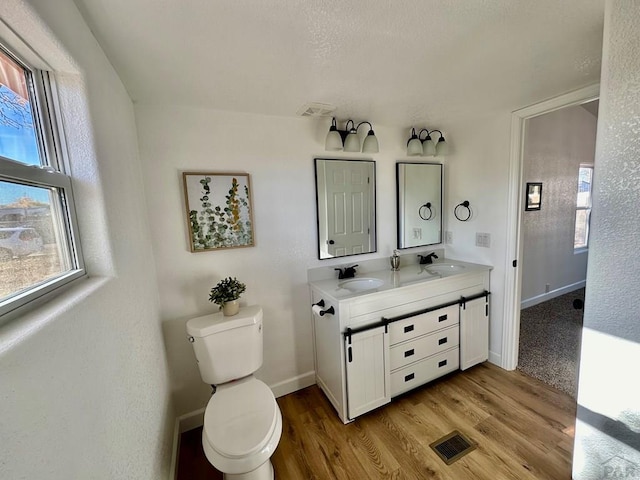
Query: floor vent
pixel 452 447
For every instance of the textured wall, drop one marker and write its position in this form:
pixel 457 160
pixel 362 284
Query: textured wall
pixel 83 379
pixel 608 427
pixel 555 145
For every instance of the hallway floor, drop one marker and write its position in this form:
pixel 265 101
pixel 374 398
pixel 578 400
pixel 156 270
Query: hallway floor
pixel 550 334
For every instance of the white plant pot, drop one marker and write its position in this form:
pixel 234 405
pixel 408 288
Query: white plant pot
pixel 231 308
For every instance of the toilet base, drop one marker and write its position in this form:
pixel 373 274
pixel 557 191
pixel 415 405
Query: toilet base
pixel 263 472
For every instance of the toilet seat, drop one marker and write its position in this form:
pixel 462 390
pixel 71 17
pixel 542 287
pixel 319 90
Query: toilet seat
pixel 240 418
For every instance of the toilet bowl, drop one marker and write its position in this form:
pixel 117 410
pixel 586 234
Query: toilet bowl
pixel 242 428
pixel 242 421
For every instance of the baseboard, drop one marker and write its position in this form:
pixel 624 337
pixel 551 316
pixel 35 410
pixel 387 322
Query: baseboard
pixel 293 384
pixel 496 359
pixel 191 420
pixel 176 448
pixel 530 302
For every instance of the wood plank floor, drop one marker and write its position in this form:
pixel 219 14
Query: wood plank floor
pixel 523 428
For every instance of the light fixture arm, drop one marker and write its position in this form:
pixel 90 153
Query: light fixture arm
pixel 439 132
pixel 413 135
pixel 420 134
pixel 362 123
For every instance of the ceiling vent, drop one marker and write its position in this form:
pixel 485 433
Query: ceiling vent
pixel 316 110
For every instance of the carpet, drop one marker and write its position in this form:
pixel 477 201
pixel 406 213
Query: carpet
pixel 550 335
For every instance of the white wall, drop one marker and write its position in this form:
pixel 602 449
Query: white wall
pixel 555 145
pixel 607 443
pixel 83 380
pixel 278 153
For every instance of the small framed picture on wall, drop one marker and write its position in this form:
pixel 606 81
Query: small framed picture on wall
pixel 219 212
pixel 533 199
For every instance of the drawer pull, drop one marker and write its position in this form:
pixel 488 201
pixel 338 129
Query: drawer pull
pixel 442 318
pixel 408 328
pixel 442 363
pixel 409 377
pixel 408 353
pixel 442 341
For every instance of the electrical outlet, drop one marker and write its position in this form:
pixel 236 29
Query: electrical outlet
pixel 417 233
pixel 448 237
pixel 483 240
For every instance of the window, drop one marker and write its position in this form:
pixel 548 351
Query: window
pixel 39 251
pixel 583 207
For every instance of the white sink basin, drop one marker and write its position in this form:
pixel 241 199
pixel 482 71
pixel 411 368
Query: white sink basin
pixel 445 268
pixel 361 284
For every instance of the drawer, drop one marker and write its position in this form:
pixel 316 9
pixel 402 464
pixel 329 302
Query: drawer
pixel 411 351
pixel 424 371
pixel 419 325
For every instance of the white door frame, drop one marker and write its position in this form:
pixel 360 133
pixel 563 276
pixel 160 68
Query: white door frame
pixel 513 280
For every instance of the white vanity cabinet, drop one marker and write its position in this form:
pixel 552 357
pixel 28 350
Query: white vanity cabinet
pixel 373 345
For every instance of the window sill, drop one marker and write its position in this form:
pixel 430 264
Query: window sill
pixel 29 319
pixel 577 251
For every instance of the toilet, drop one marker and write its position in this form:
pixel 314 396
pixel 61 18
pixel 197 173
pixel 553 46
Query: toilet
pixel 242 421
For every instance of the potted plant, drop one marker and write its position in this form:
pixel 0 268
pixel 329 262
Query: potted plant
pixel 226 294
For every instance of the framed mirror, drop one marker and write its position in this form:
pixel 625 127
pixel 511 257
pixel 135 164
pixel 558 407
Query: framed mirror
pixel 419 200
pixel 346 207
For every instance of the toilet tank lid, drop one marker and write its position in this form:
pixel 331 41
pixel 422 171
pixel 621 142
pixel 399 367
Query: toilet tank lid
pixel 217 322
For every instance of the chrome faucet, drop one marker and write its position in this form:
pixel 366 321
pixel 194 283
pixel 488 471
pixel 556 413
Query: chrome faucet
pixel 427 259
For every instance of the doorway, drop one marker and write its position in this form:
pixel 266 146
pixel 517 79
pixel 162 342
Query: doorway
pixel 516 290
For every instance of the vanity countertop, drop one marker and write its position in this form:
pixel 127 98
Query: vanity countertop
pixel 386 280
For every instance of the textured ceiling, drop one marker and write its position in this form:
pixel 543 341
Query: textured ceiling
pixel 396 63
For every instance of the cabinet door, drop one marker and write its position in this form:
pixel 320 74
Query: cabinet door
pixel 474 332
pixel 367 361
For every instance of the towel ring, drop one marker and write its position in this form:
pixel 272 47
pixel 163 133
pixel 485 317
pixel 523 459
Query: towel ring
pixel 426 206
pixel 464 204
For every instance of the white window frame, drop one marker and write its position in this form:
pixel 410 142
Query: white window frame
pixel 54 173
pixel 585 247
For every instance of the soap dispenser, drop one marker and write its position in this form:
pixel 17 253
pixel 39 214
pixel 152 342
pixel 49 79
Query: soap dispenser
pixel 395 261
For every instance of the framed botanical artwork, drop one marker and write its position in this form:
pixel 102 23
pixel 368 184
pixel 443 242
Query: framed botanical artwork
pixel 533 200
pixel 219 211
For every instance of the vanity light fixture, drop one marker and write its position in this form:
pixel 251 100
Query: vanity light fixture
pixel 426 147
pixel 348 140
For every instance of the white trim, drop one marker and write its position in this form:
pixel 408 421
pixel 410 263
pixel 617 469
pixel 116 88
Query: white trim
pixel 191 420
pixel 495 358
pixel 513 276
pixel 294 384
pixel 173 470
pixel 182 424
pixel 530 302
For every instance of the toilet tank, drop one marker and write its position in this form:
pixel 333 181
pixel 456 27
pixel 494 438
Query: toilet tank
pixel 227 348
